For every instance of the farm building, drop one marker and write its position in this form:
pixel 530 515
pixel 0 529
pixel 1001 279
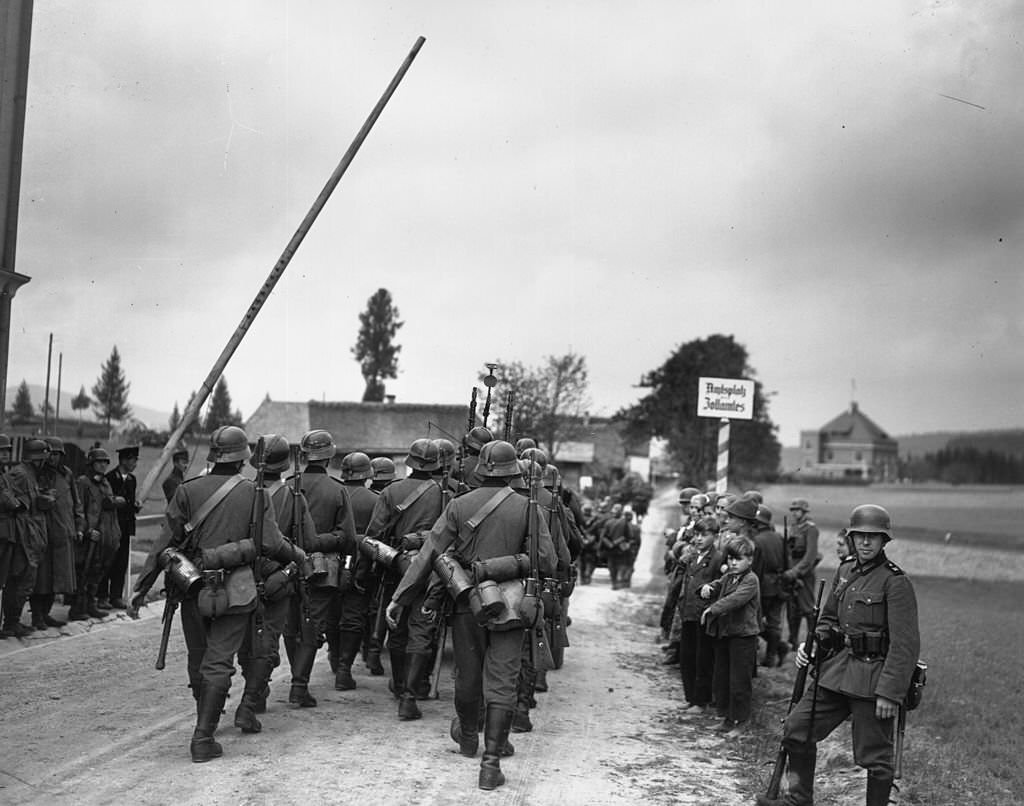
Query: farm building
pixel 850 447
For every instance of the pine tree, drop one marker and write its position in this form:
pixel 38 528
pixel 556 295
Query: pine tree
pixel 220 412
pixel 175 420
pixel 374 350
pixel 111 391
pixel 23 408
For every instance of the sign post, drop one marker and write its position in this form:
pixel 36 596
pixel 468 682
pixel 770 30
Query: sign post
pixel 726 399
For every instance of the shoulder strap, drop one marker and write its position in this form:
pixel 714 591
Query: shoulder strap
pixel 414 496
pixel 491 504
pixel 210 503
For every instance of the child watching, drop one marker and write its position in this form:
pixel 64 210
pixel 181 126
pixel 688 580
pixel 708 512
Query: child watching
pixel 696 649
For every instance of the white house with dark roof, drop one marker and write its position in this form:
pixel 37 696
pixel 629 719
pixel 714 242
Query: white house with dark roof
pixel 850 447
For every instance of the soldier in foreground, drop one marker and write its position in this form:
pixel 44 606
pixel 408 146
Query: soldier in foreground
pixel 209 521
pixel 483 524
pixel 867 644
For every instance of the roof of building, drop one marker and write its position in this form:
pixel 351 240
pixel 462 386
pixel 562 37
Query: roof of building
pixel 854 426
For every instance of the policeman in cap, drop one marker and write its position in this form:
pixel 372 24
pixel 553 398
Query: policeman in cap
pixel 867 649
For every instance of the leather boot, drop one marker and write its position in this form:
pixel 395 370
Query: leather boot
pixel 878 790
pixel 373 660
pixel 397 681
pixel 93 610
pixel 203 747
pixel 524 696
pixel 256 674
pixel 540 684
pixel 333 649
pixel 260 707
pixel 302 667
pixel 463 728
pixel 407 708
pixel 348 648
pixel 496 728
pixel 422 687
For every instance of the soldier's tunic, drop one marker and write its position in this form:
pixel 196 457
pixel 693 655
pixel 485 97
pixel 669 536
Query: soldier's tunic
pixel 403 515
pixel 355 602
pixel 588 550
pixel 170 484
pixel 802 553
pixel 874 610
pixel 64 523
pixel 213 642
pixel 26 541
pixel 335 538
pixel 486 661
pixel 769 563
pixel 101 527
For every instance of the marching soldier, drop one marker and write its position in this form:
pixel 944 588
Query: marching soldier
pixel 868 644
pixel 334 545
pixel 588 549
pixel 65 525
pixel 402 517
pixel 383 473
pixel 102 530
pixel 209 520
pixel 356 469
pixel 179 464
pixel 472 444
pixel 123 483
pixel 28 501
pixel 485 523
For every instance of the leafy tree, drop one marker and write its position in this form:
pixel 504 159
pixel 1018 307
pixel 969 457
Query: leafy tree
pixel 634 490
pixel 110 393
pixel 374 350
pixel 670 410
pixel 23 408
pixel 219 412
pixel 550 400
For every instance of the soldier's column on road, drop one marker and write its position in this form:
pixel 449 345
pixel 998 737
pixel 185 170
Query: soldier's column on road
pixel 726 399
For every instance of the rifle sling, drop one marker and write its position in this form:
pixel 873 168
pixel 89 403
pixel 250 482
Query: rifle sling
pixel 211 503
pixel 488 507
pixel 415 495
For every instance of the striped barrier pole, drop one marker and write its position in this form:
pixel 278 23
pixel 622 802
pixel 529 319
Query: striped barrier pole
pixel 722 477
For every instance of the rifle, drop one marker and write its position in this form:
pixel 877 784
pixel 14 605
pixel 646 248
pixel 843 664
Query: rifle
pixel 440 656
pixel 901 729
pixel 259 509
pixel 811 648
pixel 540 650
pixel 490 382
pixel 470 423
pixel 296 537
pixel 510 402
pixel 170 605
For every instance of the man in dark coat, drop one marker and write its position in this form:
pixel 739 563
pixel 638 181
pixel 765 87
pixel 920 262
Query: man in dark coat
pixel 123 483
pixel 179 465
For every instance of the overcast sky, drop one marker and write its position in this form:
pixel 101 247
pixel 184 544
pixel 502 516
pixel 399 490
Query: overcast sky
pixel 840 186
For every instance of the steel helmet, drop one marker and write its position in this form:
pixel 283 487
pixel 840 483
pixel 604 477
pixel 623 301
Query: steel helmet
pixel 56 444
pixel 478 437
pixel 871 519
pixel 686 494
pixel 445 451
pixel 550 476
pixel 524 443
pixel 228 444
pixel 754 495
pixel 535 455
pixel 318 444
pixel 97 455
pixel 801 504
pixel 498 460
pixel 356 466
pixel 699 500
pixel 531 470
pixel 764 515
pixel 423 455
pixel 383 469
pixel 34 449
pixel 276 454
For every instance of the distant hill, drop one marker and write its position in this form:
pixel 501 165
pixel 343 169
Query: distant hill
pixel 153 418
pixel 1009 441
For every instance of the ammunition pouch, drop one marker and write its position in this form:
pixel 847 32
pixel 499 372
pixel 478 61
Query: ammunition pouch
pixel 502 569
pixel 868 646
pixel 180 571
pixel 229 555
pixel 280 584
pixel 455 578
pixel 916 691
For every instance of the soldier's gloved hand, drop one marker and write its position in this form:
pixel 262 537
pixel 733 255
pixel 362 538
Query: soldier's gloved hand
pixel 392 614
pixel 885 708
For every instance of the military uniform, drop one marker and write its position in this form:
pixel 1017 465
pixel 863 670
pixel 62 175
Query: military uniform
pixel 487 522
pixel 868 648
pixel 769 563
pixel 355 601
pixel 102 530
pixel 27 501
pixel 802 555
pixel 403 515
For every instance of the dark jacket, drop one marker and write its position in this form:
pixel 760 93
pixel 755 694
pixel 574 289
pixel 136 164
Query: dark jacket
pixel 698 572
pixel 737 610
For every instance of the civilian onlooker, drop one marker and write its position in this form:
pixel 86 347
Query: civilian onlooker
pixel 696 648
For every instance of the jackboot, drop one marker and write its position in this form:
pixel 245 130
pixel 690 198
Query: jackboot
pixel 302 667
pixel 348 648
pixel 463 728
pixel 397 681
pixel 540 684
pixel 496 728
pixel 878 790
pixel 422 686
pixel 800 779
pixel 77 610
pixel 373 661
pixel 333 649
pixel 524 696
pixel 257 673
pixel 203 747
pixel 407 708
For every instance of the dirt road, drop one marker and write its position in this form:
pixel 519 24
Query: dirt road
pixel 86 719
